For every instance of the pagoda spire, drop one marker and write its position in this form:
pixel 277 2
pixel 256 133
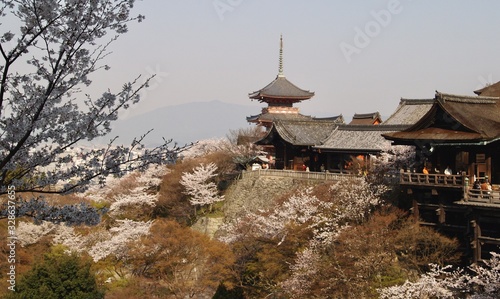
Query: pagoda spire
pixel 280 70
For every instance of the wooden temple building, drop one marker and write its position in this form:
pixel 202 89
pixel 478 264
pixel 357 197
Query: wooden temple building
pixel 299 142
pixel 366 119
pixel 461 133
pixel 290 135
pixel 458 133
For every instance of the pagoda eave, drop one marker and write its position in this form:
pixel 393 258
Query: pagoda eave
pixel 281 100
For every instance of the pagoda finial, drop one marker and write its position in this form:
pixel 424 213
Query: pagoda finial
pixel 280 70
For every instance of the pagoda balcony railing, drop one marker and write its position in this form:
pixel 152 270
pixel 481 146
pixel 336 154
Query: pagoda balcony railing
pixel 305 175
pixel 432 180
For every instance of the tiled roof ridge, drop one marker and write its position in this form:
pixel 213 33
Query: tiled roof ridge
pixel 415 101
pixel 337 118
pixel 278 125
pixel 330 135
pixel 380 127
pixel 367 115
pixel 466 98
pixel 308 121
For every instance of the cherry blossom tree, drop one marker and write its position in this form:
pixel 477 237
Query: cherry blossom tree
pixel 40 210
pixel 141 196
pixel 483 282
pixel 241 153
pixel 487 278
pixel 48 61
pixel 352 200
pixel 114 242
pixel 138 198
pixel 199 186
pixel 29 233
pixel 439 282
pixel 302 270
pixel 390 161
pixel 66 235
pixel 205 147
pixel 284 245
pixel 302 208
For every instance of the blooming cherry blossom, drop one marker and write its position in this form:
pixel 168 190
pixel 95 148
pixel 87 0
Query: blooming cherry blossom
pixel 48 62
pixel 116 239
pixel 199 186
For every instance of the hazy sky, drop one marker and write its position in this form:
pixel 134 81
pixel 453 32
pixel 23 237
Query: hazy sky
pixel 357 56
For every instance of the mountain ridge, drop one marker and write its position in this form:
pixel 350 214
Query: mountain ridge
pixel 184 123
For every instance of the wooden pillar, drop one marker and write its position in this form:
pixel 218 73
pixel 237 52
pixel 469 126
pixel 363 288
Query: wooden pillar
pixel 416 212
pixel 465 182
pixel 440 212
pixel 476 244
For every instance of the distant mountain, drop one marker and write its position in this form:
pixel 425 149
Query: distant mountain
pixel 185 123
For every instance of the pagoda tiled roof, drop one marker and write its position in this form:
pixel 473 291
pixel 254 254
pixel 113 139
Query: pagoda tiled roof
pixel 281 88
pixel 270 117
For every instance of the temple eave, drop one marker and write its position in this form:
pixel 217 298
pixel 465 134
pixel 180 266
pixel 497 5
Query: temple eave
pixel 279 99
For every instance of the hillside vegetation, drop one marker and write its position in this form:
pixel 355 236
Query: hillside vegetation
pixel 272 238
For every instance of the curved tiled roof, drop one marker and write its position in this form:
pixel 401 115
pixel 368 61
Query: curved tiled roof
pixel 359 138
pixel 477 113
pixel 366 119
pixel 281 88
pixel 455 118
pixel 338 118
pixel 300 132
pixel 490 90
pixel 270 117
pixel 409 111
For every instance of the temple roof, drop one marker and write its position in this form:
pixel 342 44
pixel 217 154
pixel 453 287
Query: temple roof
pixel 281 88
pixel 409 111
pixel 359 138
pixel 366 119
pixel 270 117
pixel 299 132
pixel 455 118
pixel 492 90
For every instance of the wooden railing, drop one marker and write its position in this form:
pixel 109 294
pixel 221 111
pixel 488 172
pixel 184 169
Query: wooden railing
pixel 435 180
pixel 482 196
pixel 451 181
pixel 305 175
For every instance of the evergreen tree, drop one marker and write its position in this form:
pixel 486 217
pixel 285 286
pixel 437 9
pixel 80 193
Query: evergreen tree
pixel 58 276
